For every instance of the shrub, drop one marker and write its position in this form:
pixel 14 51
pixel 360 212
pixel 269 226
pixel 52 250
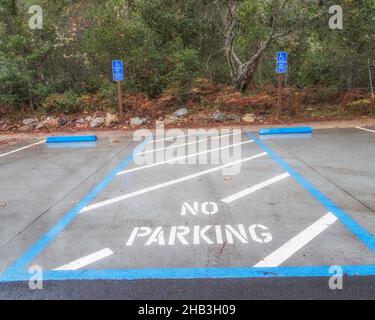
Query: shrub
pixel 184 73
pixel 107 92
pixel 66 103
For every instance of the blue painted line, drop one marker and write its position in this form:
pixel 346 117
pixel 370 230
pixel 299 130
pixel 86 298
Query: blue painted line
pixel 19 265
pixel 367 238
pixel 194 273
pixel 290 130
pixel 71 139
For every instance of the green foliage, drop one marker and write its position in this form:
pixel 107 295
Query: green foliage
pixel 167 44
pixel 107 92
pixel 185 69
pixel 155 59
pixel 66 103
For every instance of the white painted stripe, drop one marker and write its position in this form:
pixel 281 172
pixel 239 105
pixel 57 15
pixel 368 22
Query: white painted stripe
pixel 368 130
pixel 298 242
pixel 181 158
pixel 189 143
pixel 80 263
pixel 252 189
pixel 167 184
pixel 23 148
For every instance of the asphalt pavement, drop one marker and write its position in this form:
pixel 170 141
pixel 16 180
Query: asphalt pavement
pixel 214 215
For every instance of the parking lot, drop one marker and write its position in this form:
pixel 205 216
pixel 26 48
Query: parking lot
pixel 290 206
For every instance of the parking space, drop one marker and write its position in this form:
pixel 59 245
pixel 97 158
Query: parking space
pixel 35 180
pixel 346 159
pixel 240 207
pixel 12 146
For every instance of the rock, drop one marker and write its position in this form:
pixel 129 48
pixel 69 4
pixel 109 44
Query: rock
pixel 30 122
pixel 235 118
pixel 97 122
pixel 360 102
pixel 80 121
pixel 250 118
pixel 49 123
pixel 181 113
pixel 40 125
pixel 137 121
pixel 25 128
pixel 111 119
pixel 219 116
pixel 3 125
pixel 62 122
pixel 8 125
pixel 171 120
pixel 89 118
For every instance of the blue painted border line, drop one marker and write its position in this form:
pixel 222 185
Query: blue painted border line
pixel 367 238
pixel 194 273
pixel 18 266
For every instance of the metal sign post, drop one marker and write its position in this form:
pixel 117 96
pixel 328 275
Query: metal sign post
pixel 118 76
pixel 279 95
pixel 370 78
pixel 119 99
pixel 281 69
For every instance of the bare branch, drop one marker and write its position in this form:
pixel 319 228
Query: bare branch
pixel 208 60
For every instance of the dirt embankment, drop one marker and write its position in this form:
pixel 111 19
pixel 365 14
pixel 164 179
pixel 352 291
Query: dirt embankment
pixel 206 105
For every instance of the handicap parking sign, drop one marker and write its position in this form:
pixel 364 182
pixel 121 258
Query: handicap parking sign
pixel 281 67
pixel 282 62
pixel 117 70
pixel 282 56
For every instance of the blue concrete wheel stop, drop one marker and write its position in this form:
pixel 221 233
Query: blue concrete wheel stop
pixel 66 139
pixel 291 130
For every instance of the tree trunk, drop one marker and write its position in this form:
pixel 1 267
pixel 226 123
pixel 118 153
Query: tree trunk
pixel 31 100
pixel 247 71
pixel 242 74
pixel 246 76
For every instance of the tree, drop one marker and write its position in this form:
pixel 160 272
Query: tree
pixel 272 20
